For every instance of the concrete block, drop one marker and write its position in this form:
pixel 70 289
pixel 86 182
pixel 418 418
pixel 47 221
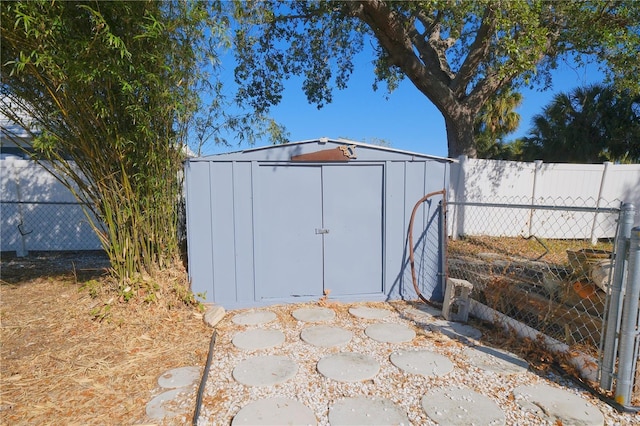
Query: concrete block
pixel 214 315
pixel 456 300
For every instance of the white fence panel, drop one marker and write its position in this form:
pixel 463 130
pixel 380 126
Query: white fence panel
pixel 568 184
pixel 508 182
pixel 480 181
pixel 573 185
pixel 621 183
pixel 39 213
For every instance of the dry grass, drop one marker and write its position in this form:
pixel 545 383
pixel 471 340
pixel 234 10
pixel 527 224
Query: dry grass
pixel 550 251
pixel 68 359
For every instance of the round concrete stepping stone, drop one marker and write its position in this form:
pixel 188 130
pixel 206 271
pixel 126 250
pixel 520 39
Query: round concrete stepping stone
pixel 429 312
pixel 557 406
pixel 258 339
pixel 366 411
pixel 496 360
pixel 369 313
pixel 315 314
pixel 158 407
pixel 265 370
pixel 461 407
pixel 456 329
pixel 274 411
pixel 326 336
pixel 254 318
pixel 348 367
pixel 179 377
pixel 425 363
pixel 390 332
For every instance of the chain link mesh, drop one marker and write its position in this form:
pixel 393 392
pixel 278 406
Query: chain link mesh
pixel 46 226
pixel 546 266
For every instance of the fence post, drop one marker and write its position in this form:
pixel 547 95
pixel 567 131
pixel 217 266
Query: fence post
pixel 536 170
pixel 443 243
pixel 612 321
pixel 605 169
pixel 457 222
pixel 629 326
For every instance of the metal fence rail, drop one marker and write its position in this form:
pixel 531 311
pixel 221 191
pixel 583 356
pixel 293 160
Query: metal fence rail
pixel 557 282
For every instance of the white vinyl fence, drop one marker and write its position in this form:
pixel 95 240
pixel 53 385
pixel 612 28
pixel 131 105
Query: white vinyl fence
pixel 38 213
pixel 592 186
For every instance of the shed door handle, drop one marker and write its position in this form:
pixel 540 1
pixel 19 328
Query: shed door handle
pixel 322 231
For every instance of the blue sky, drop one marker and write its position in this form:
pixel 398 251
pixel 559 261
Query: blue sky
pixel 407 120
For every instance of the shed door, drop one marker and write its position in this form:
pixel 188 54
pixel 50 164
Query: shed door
pixel 352 213
pixel 317 228
pixel 289 253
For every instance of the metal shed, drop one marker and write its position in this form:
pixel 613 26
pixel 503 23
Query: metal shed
pixel 290 223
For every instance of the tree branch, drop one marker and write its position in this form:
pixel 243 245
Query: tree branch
pixel 426 72
pixel 478 53
pixel 430 46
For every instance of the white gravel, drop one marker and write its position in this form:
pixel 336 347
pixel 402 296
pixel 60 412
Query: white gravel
pixel 224 397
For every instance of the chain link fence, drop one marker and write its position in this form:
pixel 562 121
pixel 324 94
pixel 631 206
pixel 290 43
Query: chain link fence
pixel 45 226
pixel 546 267
pixel 38 213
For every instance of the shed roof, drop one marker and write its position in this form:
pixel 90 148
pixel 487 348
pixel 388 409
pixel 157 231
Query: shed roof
pixel 284 152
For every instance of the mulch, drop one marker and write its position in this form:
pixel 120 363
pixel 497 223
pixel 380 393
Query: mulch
pixel 71 354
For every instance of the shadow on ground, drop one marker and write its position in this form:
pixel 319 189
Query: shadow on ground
pixel 80 265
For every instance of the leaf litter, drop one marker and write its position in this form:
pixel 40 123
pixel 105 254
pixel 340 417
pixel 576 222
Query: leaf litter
pixel 61 363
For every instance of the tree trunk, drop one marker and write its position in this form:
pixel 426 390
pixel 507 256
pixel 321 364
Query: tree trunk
pixel 460 135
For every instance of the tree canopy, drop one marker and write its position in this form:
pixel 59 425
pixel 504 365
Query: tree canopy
pixel 587 125
pixel 110 92
pixel 458 54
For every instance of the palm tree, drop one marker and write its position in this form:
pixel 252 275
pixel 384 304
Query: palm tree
pixel 497 119
pixel 588 125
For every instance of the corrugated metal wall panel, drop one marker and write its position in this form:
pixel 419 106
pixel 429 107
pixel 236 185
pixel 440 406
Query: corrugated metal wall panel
pixel 395 240
pixel 252 224
pixel 414 190
pixel 223 230
pixel 243 230
pixel 199 224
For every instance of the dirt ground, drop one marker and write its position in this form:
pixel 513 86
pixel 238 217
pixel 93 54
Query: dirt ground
pixel 71 354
